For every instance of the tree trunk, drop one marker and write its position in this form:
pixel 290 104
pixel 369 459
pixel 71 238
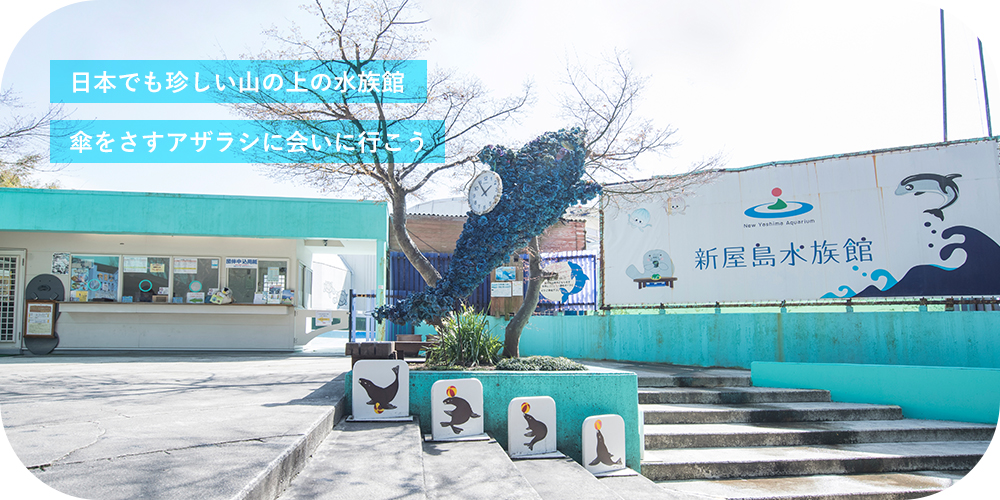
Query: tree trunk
pixel 512 335
pixel 410 250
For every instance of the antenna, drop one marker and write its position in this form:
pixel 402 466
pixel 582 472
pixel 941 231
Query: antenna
pixel 986 95
pixel 944 83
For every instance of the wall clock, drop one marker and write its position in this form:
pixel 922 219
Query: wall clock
pixel 485 191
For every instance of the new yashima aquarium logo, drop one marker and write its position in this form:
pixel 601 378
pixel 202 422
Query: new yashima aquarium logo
pixel 780 209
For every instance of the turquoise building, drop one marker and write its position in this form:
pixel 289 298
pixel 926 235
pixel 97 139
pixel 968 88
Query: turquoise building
pixel 139 269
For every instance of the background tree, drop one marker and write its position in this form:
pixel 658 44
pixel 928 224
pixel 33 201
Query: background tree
pixel 603 99
pixel 18 133
pixel 359 33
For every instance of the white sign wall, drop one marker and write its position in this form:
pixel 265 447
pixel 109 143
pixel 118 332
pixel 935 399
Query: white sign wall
pixel 907 222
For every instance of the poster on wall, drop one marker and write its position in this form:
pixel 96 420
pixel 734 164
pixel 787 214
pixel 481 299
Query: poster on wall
pixel 906 222
pixel 60 263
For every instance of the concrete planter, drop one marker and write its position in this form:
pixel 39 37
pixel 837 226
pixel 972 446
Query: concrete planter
pixel 578 395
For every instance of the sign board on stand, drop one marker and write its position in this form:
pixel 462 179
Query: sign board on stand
pixel 381 390
pixel 531 428
pixel 457 410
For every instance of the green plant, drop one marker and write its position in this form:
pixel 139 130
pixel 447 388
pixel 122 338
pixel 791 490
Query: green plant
pixel 464 339
pixel 540 363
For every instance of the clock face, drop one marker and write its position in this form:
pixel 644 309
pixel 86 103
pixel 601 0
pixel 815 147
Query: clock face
pixel 485 191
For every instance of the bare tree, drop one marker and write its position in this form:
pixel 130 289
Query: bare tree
pixel 20 133
pixel 604 99
pixel 358 33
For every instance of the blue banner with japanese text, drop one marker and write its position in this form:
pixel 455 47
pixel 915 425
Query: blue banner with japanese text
pixel 246 141
pixel 237 81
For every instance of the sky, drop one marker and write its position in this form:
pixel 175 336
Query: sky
pixel 755 80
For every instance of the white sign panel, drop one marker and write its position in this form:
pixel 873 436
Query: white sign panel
pixel 501 289
pixel 910 222
pixel 380 389
pixel 457 409
pixel 531 427
pixel 603 443
pixel 240 263
pixel 185 265
pixel 566 278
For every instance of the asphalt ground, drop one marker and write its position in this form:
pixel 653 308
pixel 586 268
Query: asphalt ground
pixel 195 425
pixel 141 425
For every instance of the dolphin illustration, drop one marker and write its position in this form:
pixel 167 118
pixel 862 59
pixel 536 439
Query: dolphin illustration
pixel 381 396
pixel 943 185
pixel 460 415
pixel 579 280
pixel 536 430
pixel 603 455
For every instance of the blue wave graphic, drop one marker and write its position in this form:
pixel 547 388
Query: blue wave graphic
pixel 843 288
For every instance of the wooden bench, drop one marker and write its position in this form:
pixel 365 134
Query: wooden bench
pixel 369 350
pixel 411 345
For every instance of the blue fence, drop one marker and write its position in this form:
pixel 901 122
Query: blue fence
pixel 404 280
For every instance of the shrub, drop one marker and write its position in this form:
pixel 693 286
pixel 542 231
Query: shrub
pixel 540 363
pixel 464 339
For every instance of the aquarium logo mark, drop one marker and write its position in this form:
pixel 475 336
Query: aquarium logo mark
pixel 779 209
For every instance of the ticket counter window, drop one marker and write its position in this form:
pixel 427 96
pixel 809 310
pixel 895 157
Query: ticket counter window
pixel 94 278
pixel 144 278
pixel 195 278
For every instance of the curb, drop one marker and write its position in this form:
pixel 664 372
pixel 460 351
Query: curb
pixel 273 480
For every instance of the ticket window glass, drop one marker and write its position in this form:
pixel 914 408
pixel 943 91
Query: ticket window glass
pixel 242 282
pixel 144 278
pixel 273 277
pixel 247 277
pixel 94 278
pixel 195 278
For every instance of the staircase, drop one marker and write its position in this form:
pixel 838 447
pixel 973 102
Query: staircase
pixel 717 436
pixel 377 460
pixel 709 435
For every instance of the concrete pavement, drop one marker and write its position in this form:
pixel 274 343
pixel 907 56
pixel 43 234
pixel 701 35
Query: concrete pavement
pixel 167 426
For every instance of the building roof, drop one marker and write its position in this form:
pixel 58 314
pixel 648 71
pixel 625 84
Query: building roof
pixel 113 212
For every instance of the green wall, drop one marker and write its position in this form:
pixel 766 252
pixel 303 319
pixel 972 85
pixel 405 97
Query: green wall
pixel 926 392
pixel 190 215
pixel 578 395
pixel 935 338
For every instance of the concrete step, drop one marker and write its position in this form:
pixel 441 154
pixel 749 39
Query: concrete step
pixel 892 486
pixel 630 487
pixel 766 412
pixel 661 375
pixel 564 479
pixel 363 460
pixel 703 378
pixel 729 395
pixel 470 470
pixel 662 436
pixel 725 463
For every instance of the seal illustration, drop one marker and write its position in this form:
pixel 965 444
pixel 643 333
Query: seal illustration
pixel 382 396
pixel 460 415
pixel 943 185
pixel 603 456
pixel 536 430
pixel 656 264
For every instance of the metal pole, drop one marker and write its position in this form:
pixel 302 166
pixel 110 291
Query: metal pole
pixel 350 316
pixel 986 95
pixel 944 82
